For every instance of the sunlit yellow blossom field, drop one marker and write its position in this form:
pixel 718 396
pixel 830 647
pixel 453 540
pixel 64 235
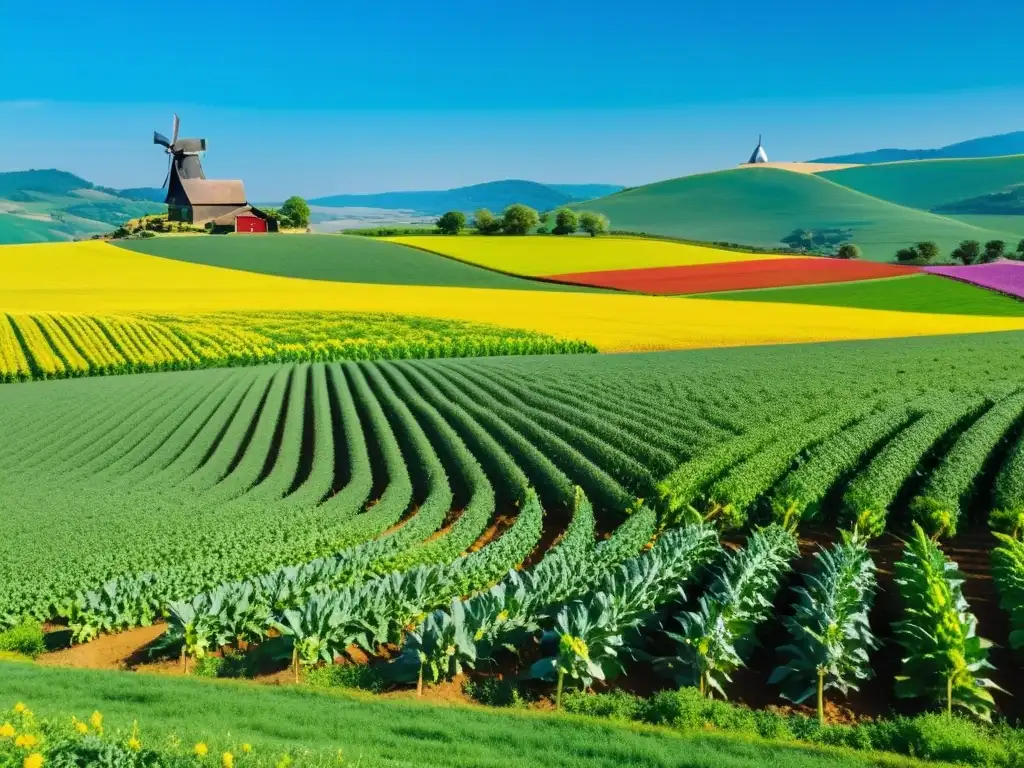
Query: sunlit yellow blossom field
pixel 95 277
pixel 540 256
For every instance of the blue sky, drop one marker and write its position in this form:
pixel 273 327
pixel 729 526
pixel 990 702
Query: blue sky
pixel 325 97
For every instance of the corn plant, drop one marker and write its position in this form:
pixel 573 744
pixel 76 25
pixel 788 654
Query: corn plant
pixel 830 631
pixel 316 633
pixel 442 645
pixel 716 638
pixel 592 635
pixel 943 658
pixel 588 638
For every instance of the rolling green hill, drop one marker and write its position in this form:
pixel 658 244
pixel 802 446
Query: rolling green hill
pixel 49 205
pixel 761 206
pixel 345 258
pixel 930 184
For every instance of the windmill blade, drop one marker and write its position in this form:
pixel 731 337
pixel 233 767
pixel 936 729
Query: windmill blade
pixel 159 138
pixel 167 178
pixel 174 133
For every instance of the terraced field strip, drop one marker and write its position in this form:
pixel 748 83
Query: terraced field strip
pixel 913 293
pixel 547 255
pixel 760 273
pixel 97 278
pixel 51 346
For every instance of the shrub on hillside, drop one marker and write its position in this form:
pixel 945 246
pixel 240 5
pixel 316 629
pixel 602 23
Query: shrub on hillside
pixel 486 223
pixel 848 251
pixel 451 223
pixel 994 250
pixel 566 222
pixel 968 252
pixel 907 255
pixel 594 224
pixel 927 250
pixel 519 219
pixel 26 639
pixel 294 213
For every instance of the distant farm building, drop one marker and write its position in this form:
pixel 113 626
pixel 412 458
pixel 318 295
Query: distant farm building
pixel 195 199
pixel 759 155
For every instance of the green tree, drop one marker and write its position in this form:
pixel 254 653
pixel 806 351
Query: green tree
pixel 967 252
pixel 566 222
pixel 519 219
pixel 848 251
pixel 486 223
pixel 452 222
pixel 294 213
pixel 1019 255
pixel 994 249
pixel 927 251
pixel 907 254
pixel 594 223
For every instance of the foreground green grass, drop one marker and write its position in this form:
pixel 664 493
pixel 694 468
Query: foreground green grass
pixel 917 293
pixel 344 258
pixel 376 732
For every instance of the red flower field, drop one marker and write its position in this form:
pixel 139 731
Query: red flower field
pixel 736 275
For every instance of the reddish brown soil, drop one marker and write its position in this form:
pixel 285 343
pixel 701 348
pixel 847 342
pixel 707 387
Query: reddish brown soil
pixel 735 275
pixel 125 650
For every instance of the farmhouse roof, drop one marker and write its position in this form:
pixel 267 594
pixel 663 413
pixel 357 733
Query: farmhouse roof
pixel 759 155
pixel 213 192
pixel 228 219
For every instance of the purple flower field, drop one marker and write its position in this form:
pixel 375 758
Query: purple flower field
pixel 1004 276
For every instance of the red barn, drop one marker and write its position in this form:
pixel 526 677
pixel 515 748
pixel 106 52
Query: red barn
pixel 250 223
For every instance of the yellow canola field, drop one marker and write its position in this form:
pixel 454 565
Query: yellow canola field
pixel 546 255
pixel 94 277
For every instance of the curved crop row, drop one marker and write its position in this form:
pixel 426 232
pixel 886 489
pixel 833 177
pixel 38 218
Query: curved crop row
pixel 43 346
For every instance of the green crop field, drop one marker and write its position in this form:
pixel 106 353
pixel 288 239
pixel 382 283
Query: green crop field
pixel 915 293
pixel 56 346
pixel 377 734
pixel 929 184
pixel 382 503
pixel 344 258
pixel 761 206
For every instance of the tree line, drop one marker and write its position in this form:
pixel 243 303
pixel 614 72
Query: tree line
pixel 967 252
pixel 519 219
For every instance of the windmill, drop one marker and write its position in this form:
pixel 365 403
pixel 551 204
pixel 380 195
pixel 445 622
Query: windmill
pixel 182 154
pixel 759 155
pixel 195 199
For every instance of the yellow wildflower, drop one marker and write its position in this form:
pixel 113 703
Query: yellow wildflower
pixel 227 760
pixel 201 749
pixel 26 741
pixel 79 725
pixel 20 708
pixel 134 744
pixel 96 720
pixel 247 748
pixel 35 760
pixel 6 731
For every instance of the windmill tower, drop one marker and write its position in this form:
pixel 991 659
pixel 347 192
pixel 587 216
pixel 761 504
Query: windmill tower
pixel 759 155
pixel 193 198
pixel 182 154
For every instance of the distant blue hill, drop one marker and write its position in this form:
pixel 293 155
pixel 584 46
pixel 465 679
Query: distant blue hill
pixel 986 146
pixel 494 195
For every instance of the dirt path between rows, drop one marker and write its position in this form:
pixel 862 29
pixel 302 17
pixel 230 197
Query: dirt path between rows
pixel 125 650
